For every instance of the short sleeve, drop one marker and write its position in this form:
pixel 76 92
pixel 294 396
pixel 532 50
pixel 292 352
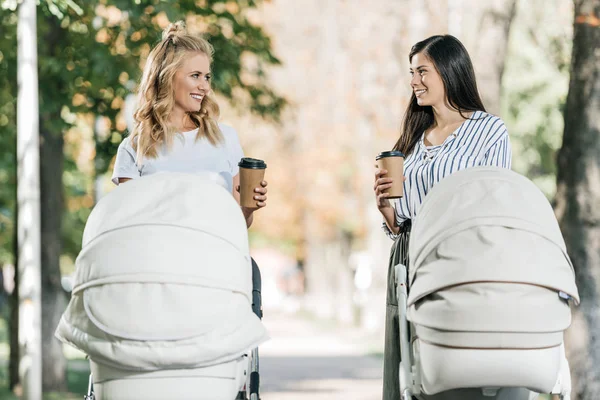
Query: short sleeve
pixel 125 166
pixel 234 148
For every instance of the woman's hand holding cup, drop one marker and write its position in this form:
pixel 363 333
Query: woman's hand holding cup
pixel 260 196
pixel 381 188
pixel 252 187
pixel 381 184
pixel 389 168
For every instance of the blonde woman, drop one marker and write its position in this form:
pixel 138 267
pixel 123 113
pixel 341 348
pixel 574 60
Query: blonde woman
pixel 176 126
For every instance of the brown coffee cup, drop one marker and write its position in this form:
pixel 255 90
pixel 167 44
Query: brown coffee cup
pixel 393 162
pixel 252 173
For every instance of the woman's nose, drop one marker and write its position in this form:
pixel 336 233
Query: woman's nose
pixel 415 80
pixel 204 85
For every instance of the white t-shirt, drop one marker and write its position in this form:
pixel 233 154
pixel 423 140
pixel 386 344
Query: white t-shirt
pixel 186 155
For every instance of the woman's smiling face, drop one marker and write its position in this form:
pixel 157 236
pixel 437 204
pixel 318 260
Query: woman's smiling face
pixel 192 82
pixel 426 82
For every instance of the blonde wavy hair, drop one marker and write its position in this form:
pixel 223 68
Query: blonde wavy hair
pixel 156 97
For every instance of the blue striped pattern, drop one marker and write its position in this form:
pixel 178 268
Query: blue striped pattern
pixel 480 140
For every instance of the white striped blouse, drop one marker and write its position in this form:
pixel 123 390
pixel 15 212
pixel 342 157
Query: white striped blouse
pixel 480 140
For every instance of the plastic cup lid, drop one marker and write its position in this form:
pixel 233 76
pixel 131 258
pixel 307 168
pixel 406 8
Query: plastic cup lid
pixel 389 154
pixel 252 163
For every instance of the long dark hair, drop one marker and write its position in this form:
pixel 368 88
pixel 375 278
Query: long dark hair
pixel 453 63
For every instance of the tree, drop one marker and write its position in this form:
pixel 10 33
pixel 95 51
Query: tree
pixel 533 103
pixel 88 58
pixel 487 41
pixel 8 175
pixel 578 196
pixel 28 204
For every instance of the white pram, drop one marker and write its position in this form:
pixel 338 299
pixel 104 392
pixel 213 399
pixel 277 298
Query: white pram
pixel 489 284
pixel 162 294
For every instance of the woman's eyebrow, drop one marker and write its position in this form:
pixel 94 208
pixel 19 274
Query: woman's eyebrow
pixel 419 67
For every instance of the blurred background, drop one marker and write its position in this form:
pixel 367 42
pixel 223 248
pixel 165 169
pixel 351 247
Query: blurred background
pixel 317 89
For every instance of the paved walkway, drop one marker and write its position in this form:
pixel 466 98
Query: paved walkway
pixel 306 361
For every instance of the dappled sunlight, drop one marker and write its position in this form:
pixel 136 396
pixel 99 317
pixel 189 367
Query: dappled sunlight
pixel 316 89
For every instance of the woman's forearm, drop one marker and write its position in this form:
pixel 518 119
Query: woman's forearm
pixel 390 219
pixel 249 216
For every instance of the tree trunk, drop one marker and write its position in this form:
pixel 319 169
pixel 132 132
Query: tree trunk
pixel 487 42
pixel 13 363
pixel 578 197
pixel 54 299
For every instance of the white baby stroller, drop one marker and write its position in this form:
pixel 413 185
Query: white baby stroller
pixel 162 294
pixel 485 301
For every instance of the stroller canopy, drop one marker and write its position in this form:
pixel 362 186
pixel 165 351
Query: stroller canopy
pixel 528 248
pixel 488 264
pixel 163 279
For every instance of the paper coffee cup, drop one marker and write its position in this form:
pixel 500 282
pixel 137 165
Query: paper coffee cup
pixel 252 173
pixel 393 162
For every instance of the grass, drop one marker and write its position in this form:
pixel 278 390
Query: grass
pixel 77 381
pixel 77 372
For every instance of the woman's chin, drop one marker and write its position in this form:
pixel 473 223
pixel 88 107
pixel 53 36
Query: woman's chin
pixel 194 109
pixel 422 102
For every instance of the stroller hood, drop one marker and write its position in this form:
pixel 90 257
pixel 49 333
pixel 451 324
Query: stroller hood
pixel 163 279
pixel 487 224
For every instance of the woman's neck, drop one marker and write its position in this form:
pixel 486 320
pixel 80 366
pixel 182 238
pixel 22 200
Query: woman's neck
pixel 445 117
pixel 445 122
pixel 180 121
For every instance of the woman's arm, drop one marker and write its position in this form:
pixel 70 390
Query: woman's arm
pixel 125 167
pixel 260 196
pixel 236 194
pixel 389 217
pixel 384 206
pixel 499 154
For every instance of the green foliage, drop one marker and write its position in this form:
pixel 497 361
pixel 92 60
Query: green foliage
pixel 130 29
pixel 89 57
pixel 75 183
pixel 8 119
pixel 77 373
pixel 535 86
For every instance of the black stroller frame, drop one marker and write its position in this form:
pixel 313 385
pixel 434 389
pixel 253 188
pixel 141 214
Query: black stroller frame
pixel 254 381
pixel 254 364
